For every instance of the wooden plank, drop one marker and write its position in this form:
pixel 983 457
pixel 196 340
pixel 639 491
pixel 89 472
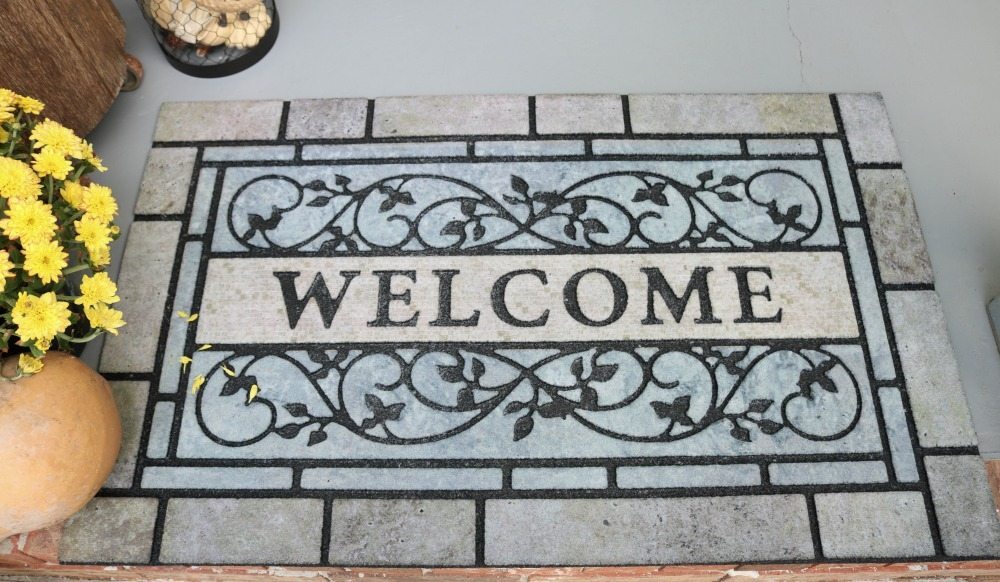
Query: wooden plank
pixel 68 53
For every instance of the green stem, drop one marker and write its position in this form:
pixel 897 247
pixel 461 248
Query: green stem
pixel 74 269
pixel 81 340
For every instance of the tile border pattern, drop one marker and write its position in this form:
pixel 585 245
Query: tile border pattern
pixel 447 113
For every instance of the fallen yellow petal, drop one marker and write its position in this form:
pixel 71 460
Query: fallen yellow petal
pixel 253 393
pixel 184 360
pixel 192 317
pixel 229 371
pixel 204 347
pixel 199 380
pixel 183 314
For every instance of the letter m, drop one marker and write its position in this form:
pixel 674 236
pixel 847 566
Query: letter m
pixel 677 304
pixel 328 306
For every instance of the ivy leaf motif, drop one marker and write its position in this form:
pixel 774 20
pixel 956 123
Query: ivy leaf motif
pixel 455 227
pixel 341 180
pixel 297 409
pixel 676 411
pixel 289 431
pixel 234 385
pixel 387 205
pixel 451 373
pixel 259 224
pixel 818 376
pixel 592 225
pixel 654 194
pixel 706 176
pixel 478 369
pixel 319 201
pixel 555 408
pixel 523 427
pixel 588 398
pixel 316 437
pixel 478 231
pixel 393 411
pixel 579 206
pixel 740 433
pixel 730 181
pixel 512 200
pixel 469 207
pixel 570 230
pixel 514 406
pixel 576 368
pixel 518 184
pixel 318 356
pixel 759 405
pixel 769 426
pixel 316 185
pixel 727 196
pixel 603 373
pixel 547 198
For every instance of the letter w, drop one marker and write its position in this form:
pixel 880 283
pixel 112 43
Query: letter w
pixel 328 306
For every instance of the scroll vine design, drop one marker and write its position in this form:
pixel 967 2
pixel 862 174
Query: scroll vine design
pixel 423 395
pixel 773 208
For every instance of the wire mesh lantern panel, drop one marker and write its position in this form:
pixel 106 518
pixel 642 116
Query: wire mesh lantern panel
pixel 212 38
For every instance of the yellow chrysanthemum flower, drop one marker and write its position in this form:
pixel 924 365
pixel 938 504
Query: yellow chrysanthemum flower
pixel 29 220
pixel 17 180
pixel 51 162
pixel 28 364
pixel 99 203
pixel 6 113
pixel 44 344
pixel 100 257
pixel 97 289
pixel 45 260
pixel 87 153
pixel 92 232
pixel 30 105
pixel 52 134
pixel 40 318
pixel 4 136
pixel 6 266
pixel 104 317
pixel 72 192
pixel 8 97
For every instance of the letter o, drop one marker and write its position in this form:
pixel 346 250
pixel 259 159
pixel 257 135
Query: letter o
pixel 572 299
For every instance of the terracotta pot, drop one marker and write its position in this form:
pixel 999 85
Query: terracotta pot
pixel 59 438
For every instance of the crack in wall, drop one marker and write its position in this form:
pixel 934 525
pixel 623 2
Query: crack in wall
pixel 798 41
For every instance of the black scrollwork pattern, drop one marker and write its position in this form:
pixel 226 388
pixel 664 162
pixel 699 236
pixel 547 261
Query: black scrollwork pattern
pixel 424 395
pixel 773 208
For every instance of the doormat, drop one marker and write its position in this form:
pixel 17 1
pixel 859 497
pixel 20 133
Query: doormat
pixel 553 330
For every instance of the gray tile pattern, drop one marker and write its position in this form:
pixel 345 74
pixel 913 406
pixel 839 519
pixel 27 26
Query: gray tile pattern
pixel 166 180
pixel 131 398
pixel 112 530
pixel 606 531
pixel 829 408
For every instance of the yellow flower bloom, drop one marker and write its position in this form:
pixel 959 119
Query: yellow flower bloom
pixel 87 153
pixel 6 266
pixel 4 136
pixel 104 317
pixel 72 192
pixel 6 113
pixel 28 364
pixel 29 220
pixel 52 134
pixel 99 203
pixel 97 289
pixel 40 318
pixel 43 345
pixel 17 180
pixel 30 105
pixel 45 260
pixel 51 162
pixel 100 257
pixel 8 97
pixel 94 235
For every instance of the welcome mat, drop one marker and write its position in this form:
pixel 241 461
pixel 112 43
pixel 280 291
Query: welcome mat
pixel 533 331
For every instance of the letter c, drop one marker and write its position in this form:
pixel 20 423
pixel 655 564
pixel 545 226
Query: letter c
pixel 499 298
